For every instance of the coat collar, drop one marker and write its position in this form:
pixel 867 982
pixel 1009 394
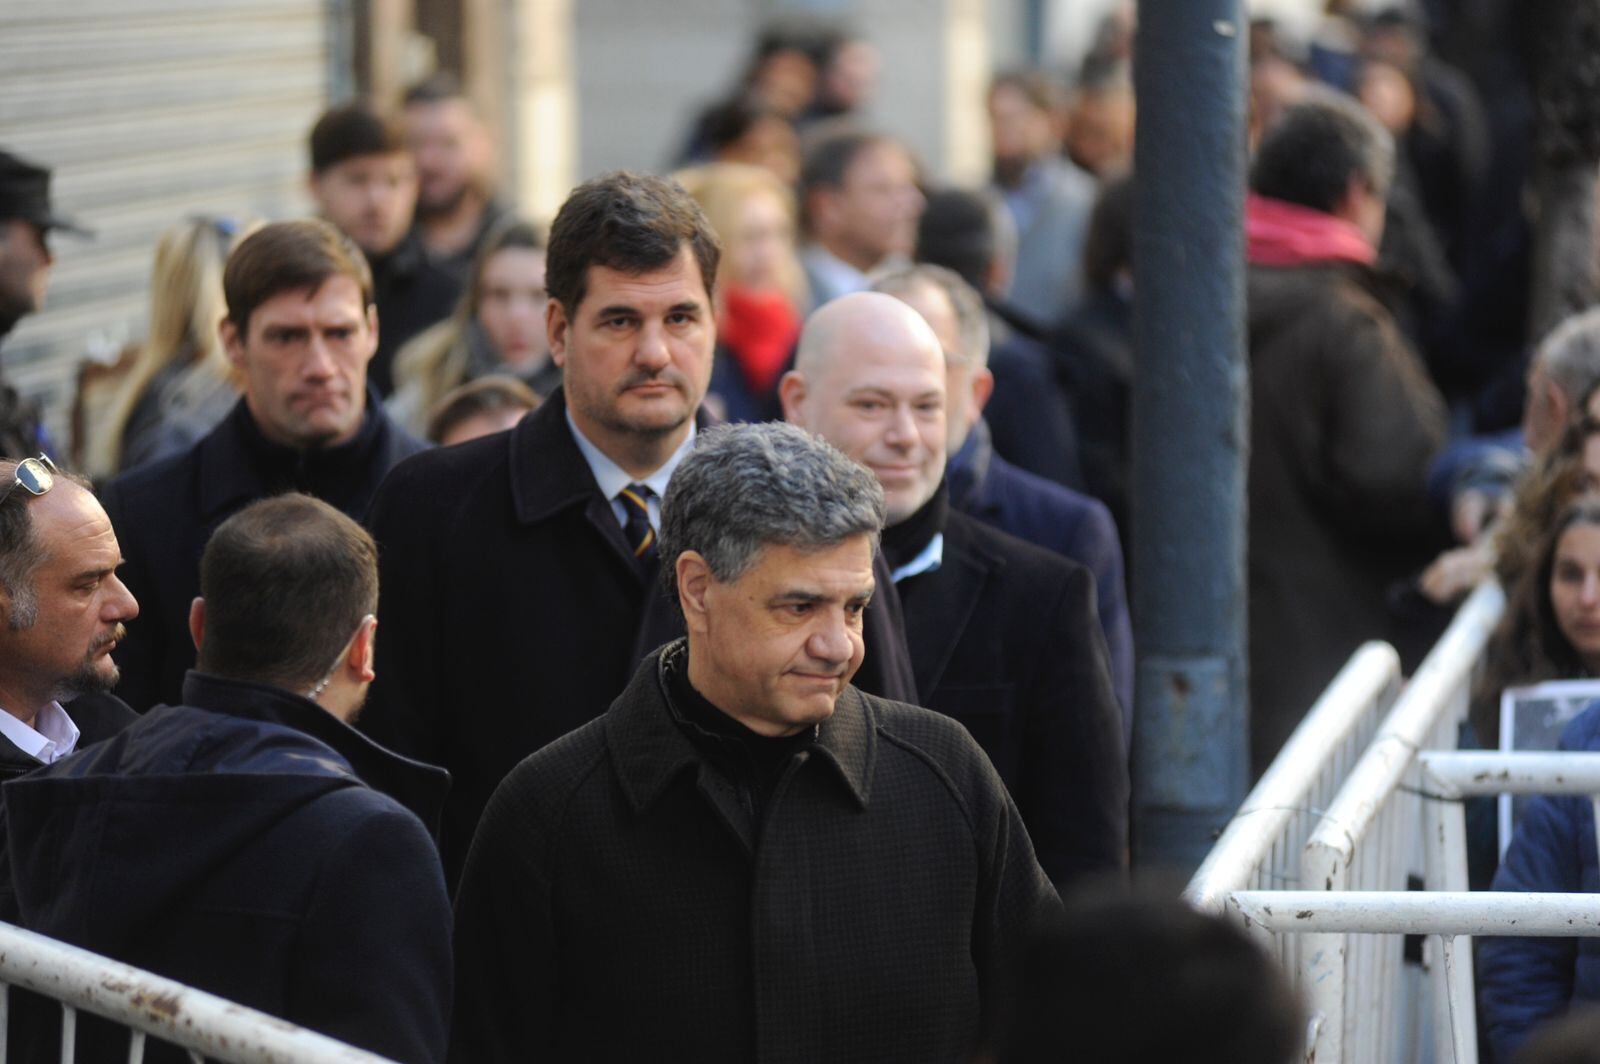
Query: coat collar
pixel 420 788
pixel 649 750
pixel 238 464
pixel 943 601
pixel 548 473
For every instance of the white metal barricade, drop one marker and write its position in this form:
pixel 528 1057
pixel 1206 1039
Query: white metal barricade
pixel 1449 777
pixel 1369 840
pixel 205 1025
pixel 1260 848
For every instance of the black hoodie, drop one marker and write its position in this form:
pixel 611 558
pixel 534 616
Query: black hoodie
pixel 237 843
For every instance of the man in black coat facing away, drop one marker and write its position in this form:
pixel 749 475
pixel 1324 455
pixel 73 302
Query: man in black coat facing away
pixel 519 569
pixel 1003 635
pixel 249 841
pixel 746 857
pixel 301 327
pixel 62 611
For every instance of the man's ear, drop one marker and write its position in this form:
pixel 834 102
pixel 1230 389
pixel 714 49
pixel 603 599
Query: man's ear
pixel 363 652
pixel 982 391
pixel 372 328
pixel 232 342
pixel 792 395
pixel 197 621
pixel 694 582
pixel 555 330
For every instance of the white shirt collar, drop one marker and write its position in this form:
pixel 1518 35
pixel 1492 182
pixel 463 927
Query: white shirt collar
pixel 927 560
pixel 612 478
pixel 52 737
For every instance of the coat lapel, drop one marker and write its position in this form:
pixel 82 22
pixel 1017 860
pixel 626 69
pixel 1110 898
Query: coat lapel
pixel 943 603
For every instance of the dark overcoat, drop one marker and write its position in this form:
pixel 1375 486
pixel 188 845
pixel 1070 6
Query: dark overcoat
pixel 1004 638
pixel 164 513
pixel 513 611
pixel 247 843
pixel 619 903
pixel 1344 423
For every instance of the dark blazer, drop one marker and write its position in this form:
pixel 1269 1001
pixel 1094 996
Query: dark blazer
pixel 620 904
pixel 986 486
pixel 240 843
pixel 164 513
pixel 1004 638
pixel 411 293
pixel 513 611
pixel 98 716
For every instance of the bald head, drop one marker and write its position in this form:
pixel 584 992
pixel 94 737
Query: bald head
pixel 869 378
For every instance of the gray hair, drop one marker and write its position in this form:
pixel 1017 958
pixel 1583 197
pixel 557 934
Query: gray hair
pixel 21 553
pixel 1570 354
pixel 972 321
pixel 745 487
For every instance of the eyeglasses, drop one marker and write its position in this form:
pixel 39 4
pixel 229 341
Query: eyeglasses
pixel 34 475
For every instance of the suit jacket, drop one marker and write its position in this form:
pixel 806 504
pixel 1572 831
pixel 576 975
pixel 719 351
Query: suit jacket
pixel 97 715
pixel 1004 638
pixel 513 610
pixel 1062 521
pixel 165 512
pixel 1051 209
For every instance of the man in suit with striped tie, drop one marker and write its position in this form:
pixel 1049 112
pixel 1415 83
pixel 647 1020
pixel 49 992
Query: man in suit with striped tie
pixel 521 572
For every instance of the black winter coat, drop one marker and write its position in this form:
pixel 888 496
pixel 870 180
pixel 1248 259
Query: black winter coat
pixel 513 611
pixel 243 843
pixel 164 513
pixel 98 717
pixel 1004 638
pixel 620 904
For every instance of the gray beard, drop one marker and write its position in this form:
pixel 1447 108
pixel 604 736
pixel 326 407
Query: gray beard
pixel 87 680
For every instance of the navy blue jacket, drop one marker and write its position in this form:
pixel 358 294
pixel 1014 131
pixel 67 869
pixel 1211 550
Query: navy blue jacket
pixel 243 843
pixel 1041 512
pixel 164 512
pixel 1523 981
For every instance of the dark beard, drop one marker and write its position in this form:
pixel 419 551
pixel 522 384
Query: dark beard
pixel 427 211
pixel 87 680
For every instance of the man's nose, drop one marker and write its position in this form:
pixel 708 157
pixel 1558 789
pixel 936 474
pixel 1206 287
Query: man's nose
pixel 830 639
pixel 902 430
pixel 652 352
pixel 319 363
pixel 120 604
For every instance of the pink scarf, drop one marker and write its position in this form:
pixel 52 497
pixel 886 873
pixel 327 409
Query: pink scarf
pixel 1277 233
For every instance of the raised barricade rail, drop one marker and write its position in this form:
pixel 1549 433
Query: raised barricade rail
pixel 209 1027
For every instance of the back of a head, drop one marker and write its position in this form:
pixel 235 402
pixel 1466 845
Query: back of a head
pixel 1570 356
pixel 492 394
pixel 1310 155
pixel 286 582
pixel 957 230
pixel 351 131
pixel 1138 980
pixel 1108 244
pixel 630 222
pixel 289 257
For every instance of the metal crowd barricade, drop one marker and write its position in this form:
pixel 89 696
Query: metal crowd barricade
pixel 1260 847
pixel 1369 841
pixel 205 1025
pixel 1449 777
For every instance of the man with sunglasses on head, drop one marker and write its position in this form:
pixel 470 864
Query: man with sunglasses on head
pixel 62 611
pixel 248 841
pixel 301 328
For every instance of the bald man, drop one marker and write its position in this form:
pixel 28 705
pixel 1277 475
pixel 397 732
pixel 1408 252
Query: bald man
pixel 1003 635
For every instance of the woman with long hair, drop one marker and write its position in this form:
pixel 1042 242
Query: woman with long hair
pixel 179 383
pixel 498 327
pixel 760 285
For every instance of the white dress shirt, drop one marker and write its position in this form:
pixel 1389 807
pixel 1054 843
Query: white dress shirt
pixel 52 737
pixel 612 478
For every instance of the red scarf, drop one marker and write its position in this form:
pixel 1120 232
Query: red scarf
pixel 1286 234
pixel 759 328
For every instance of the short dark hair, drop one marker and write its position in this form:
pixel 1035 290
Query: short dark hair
pixel 351 131
pixel 438 87
pixel 286 582
pixel 1309 155
pixel 486 395
pixel 21 552
pixel 957 231
pixel 1092 979
pixel 1041 91
pixel 630 222
pixel 826 155
pixel 1108 243
pixel 289 257
pixel 728 122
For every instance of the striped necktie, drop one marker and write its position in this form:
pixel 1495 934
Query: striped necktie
pixel 637 530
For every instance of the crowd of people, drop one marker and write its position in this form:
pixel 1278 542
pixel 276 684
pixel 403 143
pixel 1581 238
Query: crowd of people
pixel 754 639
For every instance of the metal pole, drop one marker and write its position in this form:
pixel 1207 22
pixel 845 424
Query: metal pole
pixel 1190 429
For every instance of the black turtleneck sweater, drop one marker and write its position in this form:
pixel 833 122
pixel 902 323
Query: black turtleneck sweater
pixel 753 762
pixel 906 539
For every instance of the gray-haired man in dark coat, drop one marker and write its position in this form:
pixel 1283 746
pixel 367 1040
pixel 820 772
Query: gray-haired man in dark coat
pixel 747 858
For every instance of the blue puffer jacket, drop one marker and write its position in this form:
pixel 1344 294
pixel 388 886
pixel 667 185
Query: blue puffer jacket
pixel 1523 981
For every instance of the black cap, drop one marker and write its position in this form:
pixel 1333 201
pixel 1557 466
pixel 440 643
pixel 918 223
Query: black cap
pixel 25 194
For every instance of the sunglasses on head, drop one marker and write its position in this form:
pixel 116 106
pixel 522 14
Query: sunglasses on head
pixel 34 475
